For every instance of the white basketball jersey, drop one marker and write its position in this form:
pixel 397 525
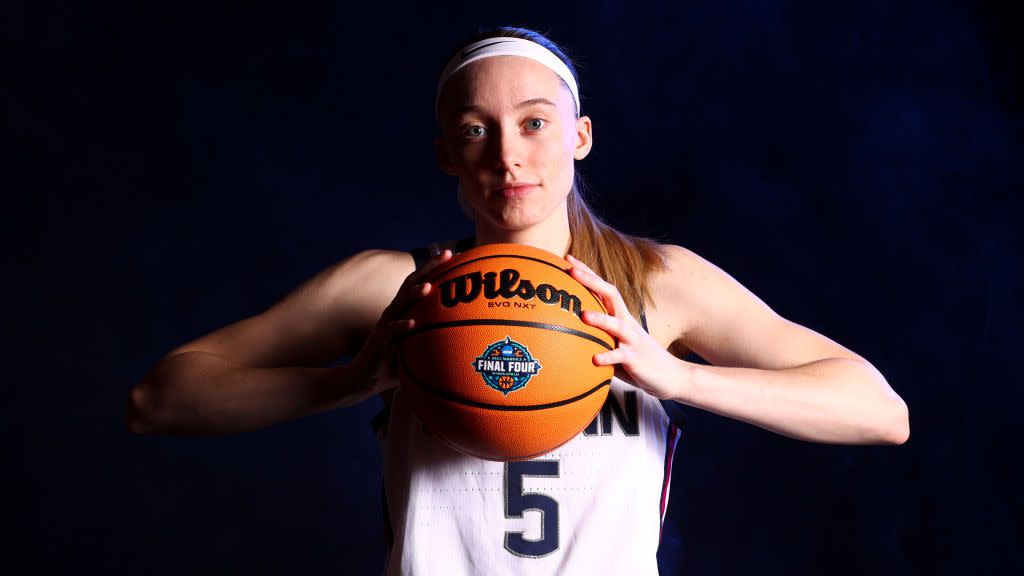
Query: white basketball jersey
pixel 593 506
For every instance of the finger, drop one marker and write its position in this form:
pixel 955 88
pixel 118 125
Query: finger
pixel 616 356
pixel 391 333
pixel 386 333
pixel 583 273
pixel 575 262
pixel 399 307
pixel 433 262
pixel 605 290
pixel 395 329
pixel 413 288
pixel 617 327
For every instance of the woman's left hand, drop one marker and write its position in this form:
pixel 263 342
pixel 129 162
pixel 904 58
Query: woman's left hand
pixel 640 360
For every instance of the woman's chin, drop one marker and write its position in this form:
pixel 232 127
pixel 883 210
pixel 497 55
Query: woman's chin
pixel 512 221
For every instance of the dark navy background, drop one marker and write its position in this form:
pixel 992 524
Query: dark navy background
pixel 170 169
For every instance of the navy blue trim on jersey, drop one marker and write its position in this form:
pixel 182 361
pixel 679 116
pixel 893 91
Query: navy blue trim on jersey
pixel 671 438
pixel 419 256
pixel 379 423
pixel 674 413
pixel 389 532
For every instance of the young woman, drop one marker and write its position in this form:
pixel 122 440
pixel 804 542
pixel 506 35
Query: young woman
pixel 511 131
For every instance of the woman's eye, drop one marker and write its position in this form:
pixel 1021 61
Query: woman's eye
pixel 535 124
pixel 475 131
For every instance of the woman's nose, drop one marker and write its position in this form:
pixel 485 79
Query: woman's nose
pixel 507 151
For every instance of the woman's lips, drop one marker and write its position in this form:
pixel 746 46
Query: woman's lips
pixel 517 191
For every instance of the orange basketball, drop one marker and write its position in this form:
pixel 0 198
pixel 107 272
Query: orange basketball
pixel 499 362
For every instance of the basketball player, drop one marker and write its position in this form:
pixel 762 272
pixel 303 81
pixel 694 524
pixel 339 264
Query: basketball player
pixel 511 130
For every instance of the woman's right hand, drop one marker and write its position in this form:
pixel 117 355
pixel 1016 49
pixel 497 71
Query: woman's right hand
pixel 375 362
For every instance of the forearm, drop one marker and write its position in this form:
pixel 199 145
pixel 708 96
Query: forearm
pixel 200 393
pixel 835 400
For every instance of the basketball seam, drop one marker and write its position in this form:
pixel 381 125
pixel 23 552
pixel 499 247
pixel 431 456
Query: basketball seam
pixel 490 256
pixel 495 322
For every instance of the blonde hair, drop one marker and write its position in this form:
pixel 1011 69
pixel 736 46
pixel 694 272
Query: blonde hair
pixel 624 260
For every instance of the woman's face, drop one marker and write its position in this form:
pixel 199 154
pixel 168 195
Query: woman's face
pixel 509 132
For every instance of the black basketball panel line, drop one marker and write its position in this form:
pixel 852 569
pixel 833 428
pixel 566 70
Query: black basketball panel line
pixel 496 322
pixel 492 256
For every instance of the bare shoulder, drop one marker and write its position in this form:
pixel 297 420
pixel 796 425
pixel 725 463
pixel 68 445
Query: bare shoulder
pixel 686 273
pixel 357 273
pixel 327 316
pixel 691 291
pixel 351 294
pixel 670 289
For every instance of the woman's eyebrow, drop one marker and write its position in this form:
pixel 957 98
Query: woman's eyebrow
pixel 523 104
pixel 533 101
pixel 468 108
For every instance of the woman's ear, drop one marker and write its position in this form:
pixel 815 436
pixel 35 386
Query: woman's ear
pixel 584 138
pixel 444 159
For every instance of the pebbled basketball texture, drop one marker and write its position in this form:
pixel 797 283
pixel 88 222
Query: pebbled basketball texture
pixel 499 362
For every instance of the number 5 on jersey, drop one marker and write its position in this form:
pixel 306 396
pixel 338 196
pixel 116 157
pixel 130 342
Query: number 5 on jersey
pixel 517 502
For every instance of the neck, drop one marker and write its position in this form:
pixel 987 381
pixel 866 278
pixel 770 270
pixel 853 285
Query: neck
pixel 551 235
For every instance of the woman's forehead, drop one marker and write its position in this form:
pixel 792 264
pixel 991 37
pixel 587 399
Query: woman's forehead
pixel 501 82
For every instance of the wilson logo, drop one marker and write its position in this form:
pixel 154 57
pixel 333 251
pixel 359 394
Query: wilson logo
pixel 505 284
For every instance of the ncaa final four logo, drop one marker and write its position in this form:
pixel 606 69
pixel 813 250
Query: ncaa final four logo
pixel 506 366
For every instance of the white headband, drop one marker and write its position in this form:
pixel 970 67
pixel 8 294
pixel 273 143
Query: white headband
pixel 506 46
